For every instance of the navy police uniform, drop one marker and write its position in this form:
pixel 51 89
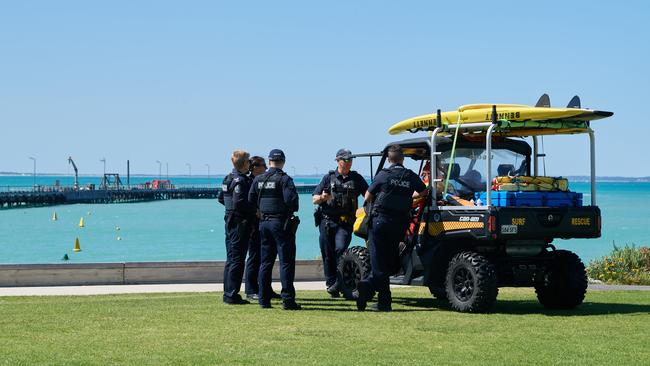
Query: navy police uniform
pixel 393 190
pixel 239 220
pixel 337 219
pixel 252 288
pixel 275 195
pixel 253 260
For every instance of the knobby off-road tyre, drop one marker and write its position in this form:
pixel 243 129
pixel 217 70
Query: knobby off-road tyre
pixel 565 284
pixel 471 283
pixel 354 265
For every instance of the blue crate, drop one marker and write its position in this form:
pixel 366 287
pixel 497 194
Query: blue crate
pixel 532 199
pixel 563 199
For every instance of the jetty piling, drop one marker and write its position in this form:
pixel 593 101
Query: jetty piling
pixel 21 197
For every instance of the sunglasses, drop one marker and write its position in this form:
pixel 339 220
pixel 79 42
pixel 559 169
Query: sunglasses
pixel 256 165
pixel 346 160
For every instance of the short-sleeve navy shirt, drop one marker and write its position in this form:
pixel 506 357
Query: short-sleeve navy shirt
pixel 359 181
pixel 382 178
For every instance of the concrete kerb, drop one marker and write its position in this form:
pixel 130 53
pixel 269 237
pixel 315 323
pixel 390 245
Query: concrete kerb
pixel 75 274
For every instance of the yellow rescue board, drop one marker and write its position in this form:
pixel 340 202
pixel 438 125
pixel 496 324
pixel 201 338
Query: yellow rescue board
pixel 477 113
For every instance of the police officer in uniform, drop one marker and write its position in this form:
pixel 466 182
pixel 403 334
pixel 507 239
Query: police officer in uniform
pixel 336 196
pixel 391 193
pixel 276 198
pixel 257 167
pixel 239 219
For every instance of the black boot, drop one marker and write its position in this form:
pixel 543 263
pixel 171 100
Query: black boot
pixel 334 290
pixel 363 294
pixel 235 300
pixel 291 305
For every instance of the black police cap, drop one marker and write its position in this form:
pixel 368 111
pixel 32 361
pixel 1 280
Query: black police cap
pixel 344 154
pixel 276 155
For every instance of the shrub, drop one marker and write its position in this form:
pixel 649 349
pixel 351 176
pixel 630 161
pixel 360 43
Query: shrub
pixel 628 265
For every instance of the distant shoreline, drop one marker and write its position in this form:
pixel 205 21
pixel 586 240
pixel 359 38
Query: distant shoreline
pixel 576 178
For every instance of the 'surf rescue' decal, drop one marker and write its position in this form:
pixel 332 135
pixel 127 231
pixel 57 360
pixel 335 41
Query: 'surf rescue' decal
pixel 519 221
pixel 581 221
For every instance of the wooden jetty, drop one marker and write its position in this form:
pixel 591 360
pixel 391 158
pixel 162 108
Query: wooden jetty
pixel 13 197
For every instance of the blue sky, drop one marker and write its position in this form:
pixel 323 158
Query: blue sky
pixel 188 82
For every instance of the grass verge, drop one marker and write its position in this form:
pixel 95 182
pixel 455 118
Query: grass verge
pixel 610 328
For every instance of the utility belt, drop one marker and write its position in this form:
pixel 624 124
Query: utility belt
pixel 238 217
pixel 319 216
pixel 340 219
pixel 390 213
pixel 269 216
pixel 289 222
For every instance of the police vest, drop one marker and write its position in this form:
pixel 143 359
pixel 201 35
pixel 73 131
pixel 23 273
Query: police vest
pixel 395 197
pixel 344 196
pixel 229 185
pixel 227 189
pixel 271 198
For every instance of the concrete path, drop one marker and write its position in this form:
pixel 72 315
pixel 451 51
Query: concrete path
pixel 199 287
pixel 598 287
pixel 135 289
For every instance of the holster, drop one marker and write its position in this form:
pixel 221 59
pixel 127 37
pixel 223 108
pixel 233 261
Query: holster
pixel 318 216
pixel 291 225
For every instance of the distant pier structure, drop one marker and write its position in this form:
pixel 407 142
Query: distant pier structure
pixel 14 197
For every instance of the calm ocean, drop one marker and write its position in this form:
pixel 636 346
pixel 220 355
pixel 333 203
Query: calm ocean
pixel 182 230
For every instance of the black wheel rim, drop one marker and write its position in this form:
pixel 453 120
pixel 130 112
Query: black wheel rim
pixel 463 284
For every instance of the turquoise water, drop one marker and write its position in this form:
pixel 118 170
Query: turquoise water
pixel 27 181
pixel 181 230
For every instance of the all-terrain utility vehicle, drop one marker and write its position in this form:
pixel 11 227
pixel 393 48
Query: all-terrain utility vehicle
pixel 491 220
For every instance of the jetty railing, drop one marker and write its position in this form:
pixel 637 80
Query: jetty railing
pixel 42 195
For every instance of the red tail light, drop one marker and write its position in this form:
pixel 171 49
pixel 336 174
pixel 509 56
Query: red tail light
pixel 492 224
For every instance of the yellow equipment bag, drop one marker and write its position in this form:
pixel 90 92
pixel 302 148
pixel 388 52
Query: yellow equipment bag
pixel 361 223
pixel 526 183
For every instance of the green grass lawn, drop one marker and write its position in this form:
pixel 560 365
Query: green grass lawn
pixel 610 328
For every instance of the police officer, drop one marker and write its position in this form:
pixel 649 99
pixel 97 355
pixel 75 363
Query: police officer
pixel 275 195
pixel 257 167
pixel 336 196
pixel 239 219
pixel 391 193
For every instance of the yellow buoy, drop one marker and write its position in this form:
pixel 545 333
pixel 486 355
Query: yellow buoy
pixel 81 222
pixel 77 247
pixel 54 217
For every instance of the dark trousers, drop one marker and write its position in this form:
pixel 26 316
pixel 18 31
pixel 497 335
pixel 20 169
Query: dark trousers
pixel 237 236
pixel 253 261
pixel 276 242
pixel 334 240
pixel 383 241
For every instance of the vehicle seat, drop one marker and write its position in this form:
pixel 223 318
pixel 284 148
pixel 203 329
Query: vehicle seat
pixel 455 170
pixel 505 170
pixel 473 179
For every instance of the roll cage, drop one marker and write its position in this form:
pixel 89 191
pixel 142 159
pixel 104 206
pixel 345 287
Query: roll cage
pixel 430 148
